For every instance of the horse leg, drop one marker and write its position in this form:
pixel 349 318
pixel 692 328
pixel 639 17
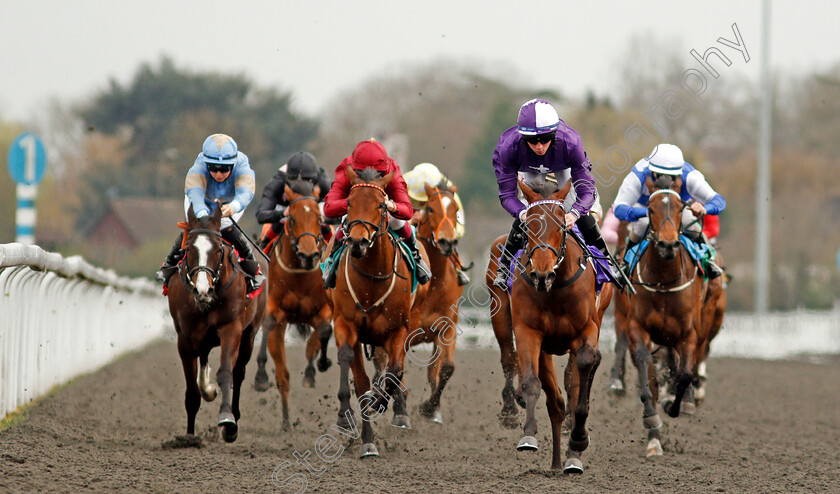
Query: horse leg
pixel 554 404
pixel 648 388
pixel 208 389
pixel 246 347
pixel 444 368
pixel 617 372
pixel 229 338
pixel 684 377
pixel 571 383
pixel 587 361
pixel 324 328
pixel 277 348
pixel 192 396
pixel 393 379
pixel 313 346
pixel 261 378
pixel 427 408
pixel 380 360
pixel 500 318
pixel 345 359
pixel 370 407
pixel 529 342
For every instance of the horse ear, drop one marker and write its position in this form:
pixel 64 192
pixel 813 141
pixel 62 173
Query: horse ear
pixel 316 191
pixel 453 188
pixel 217 215
pixel 649 183
pixel 529 194
pixel 191 214
pixel 562 192
pixel 384 181
pixel 676 184
pixel 353 176
pixel 429 189
pixel 290 194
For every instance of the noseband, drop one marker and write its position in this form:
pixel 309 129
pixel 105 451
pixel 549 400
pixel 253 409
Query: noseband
pixel 446 219
pixel 373 230
pixel 560 253
pixel 319 239
pixel 187 273
pixel 655 234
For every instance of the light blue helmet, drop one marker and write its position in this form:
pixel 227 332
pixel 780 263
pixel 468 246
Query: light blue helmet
pixel 220 149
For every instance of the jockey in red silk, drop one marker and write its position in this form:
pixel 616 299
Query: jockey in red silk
pixel 667 159
pixel 372 154
pixel 220 171
pixel 540 144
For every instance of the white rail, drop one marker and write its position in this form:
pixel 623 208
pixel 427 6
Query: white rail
pixel 61 317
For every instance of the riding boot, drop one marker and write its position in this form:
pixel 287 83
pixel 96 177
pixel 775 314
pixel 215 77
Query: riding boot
pixel 170 263
pixel 424 274
pixel 332 266
pixel 515 241
pixel 271 234
pixel 463 279
pixel 592 235
pixel 248 264
pixel 711 269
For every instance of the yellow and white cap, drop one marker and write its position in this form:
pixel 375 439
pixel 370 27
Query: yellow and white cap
pixel 418 177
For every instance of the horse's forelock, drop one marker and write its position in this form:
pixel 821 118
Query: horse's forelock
pixel 302 187
pixel 663 182
pixel 545 189
pixel 368 174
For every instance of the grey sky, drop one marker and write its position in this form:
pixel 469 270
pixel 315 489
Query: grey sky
pixel 70 49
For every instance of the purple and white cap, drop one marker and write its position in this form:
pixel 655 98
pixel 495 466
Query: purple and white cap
pixel 666 159
pixel 537 116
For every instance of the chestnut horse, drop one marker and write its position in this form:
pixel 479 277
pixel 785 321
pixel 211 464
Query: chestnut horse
pixel 667 311
pixel 210 308
pixel 371 305
pixel 434 318
pixel 296 293
pixel 557 311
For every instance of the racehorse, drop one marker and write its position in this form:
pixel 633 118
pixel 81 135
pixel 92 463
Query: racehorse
pixel 557 311
pixel 615 384
pixel 296 293
pixel 371 305
pixel 210 307
pixel 667 311
pixel 435 317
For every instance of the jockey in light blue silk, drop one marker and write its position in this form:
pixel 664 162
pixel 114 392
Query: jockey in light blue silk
pixel 632 199
pixel 220 172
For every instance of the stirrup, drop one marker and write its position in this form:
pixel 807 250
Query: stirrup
pixel 424 275
pixel 501 279
pixel 463 279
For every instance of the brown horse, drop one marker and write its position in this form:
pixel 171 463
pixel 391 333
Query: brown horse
pixel 210 308
pixel 667 310
pixel 296 294
pixel 372 303
pixel 434 319
pixel 615 384
pixel 557 312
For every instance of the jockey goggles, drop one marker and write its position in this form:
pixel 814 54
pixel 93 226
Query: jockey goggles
pixel 539 138
pixel 218 167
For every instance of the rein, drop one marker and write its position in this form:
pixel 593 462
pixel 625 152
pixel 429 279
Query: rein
pixel 559 253
pixel 186 273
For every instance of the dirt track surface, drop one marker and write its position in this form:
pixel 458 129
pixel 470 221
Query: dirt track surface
pixel 765 427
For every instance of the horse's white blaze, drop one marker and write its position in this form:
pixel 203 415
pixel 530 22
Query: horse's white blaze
pixel 701 369
pixel 446 201
pixel 203 245
pixel 665 200
pixel 306 208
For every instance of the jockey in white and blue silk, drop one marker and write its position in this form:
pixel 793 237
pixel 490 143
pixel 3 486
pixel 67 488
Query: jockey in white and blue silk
pixel 632 199
pixel 220 172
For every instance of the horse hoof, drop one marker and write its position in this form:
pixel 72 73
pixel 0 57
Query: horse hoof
pixel 342 422
pixel 369 449
pixel 323 365
pixel 615 387
pixel 654 448
pixel 437 418
pixel 509 420
pixel 427 410
pixel 261 382
pixel 210 394
pixel 573 465
pixel 699 394
pixel 687 408
pixel 527 443
pixel 308 381
pixel 652 422
pixel 228 427
pixel 401 422
pixel 578 446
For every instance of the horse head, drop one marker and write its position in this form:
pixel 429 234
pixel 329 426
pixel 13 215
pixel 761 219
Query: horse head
pixel 303 225
pixel 204 256
pixel 367 215
pixel 440 216
pixel 546 230
pixel 665 213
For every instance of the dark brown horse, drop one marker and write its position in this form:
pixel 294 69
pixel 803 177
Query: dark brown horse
pixel 434 319
pixel 210 308
pixel 666 311
pixel 296 294
pixel 372 303
pixel 557 311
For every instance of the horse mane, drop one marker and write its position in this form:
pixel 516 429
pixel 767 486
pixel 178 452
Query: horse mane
pixel 302 187
pixel 369 174
pixel 444 184
pixel 545 189
pixel 663 182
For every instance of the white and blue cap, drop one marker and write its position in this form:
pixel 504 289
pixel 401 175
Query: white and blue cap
pixel 666 159
pixel 537 116
pixel 220 149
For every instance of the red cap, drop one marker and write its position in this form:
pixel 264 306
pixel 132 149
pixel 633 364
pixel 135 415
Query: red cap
pixel 370 154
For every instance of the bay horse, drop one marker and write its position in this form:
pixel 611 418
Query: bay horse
pixel 371 305
pixel 667 311
pixel 210 307
pixel 296 293
pixel 554 310
pixel 434 318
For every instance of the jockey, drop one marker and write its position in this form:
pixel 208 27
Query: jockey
pixel 372 154
pixel 301 167
pixel 221 172
pixel 667 159
pixel 540 144
pixel 416 180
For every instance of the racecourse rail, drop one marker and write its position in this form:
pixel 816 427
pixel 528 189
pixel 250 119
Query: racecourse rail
pixel 62 317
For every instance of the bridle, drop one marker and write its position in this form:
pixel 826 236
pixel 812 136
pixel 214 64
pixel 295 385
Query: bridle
pixel 293 239
pixel 373 230
pixel 559 252
pixel 187 273
pixel 446 219
pixel 655 236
